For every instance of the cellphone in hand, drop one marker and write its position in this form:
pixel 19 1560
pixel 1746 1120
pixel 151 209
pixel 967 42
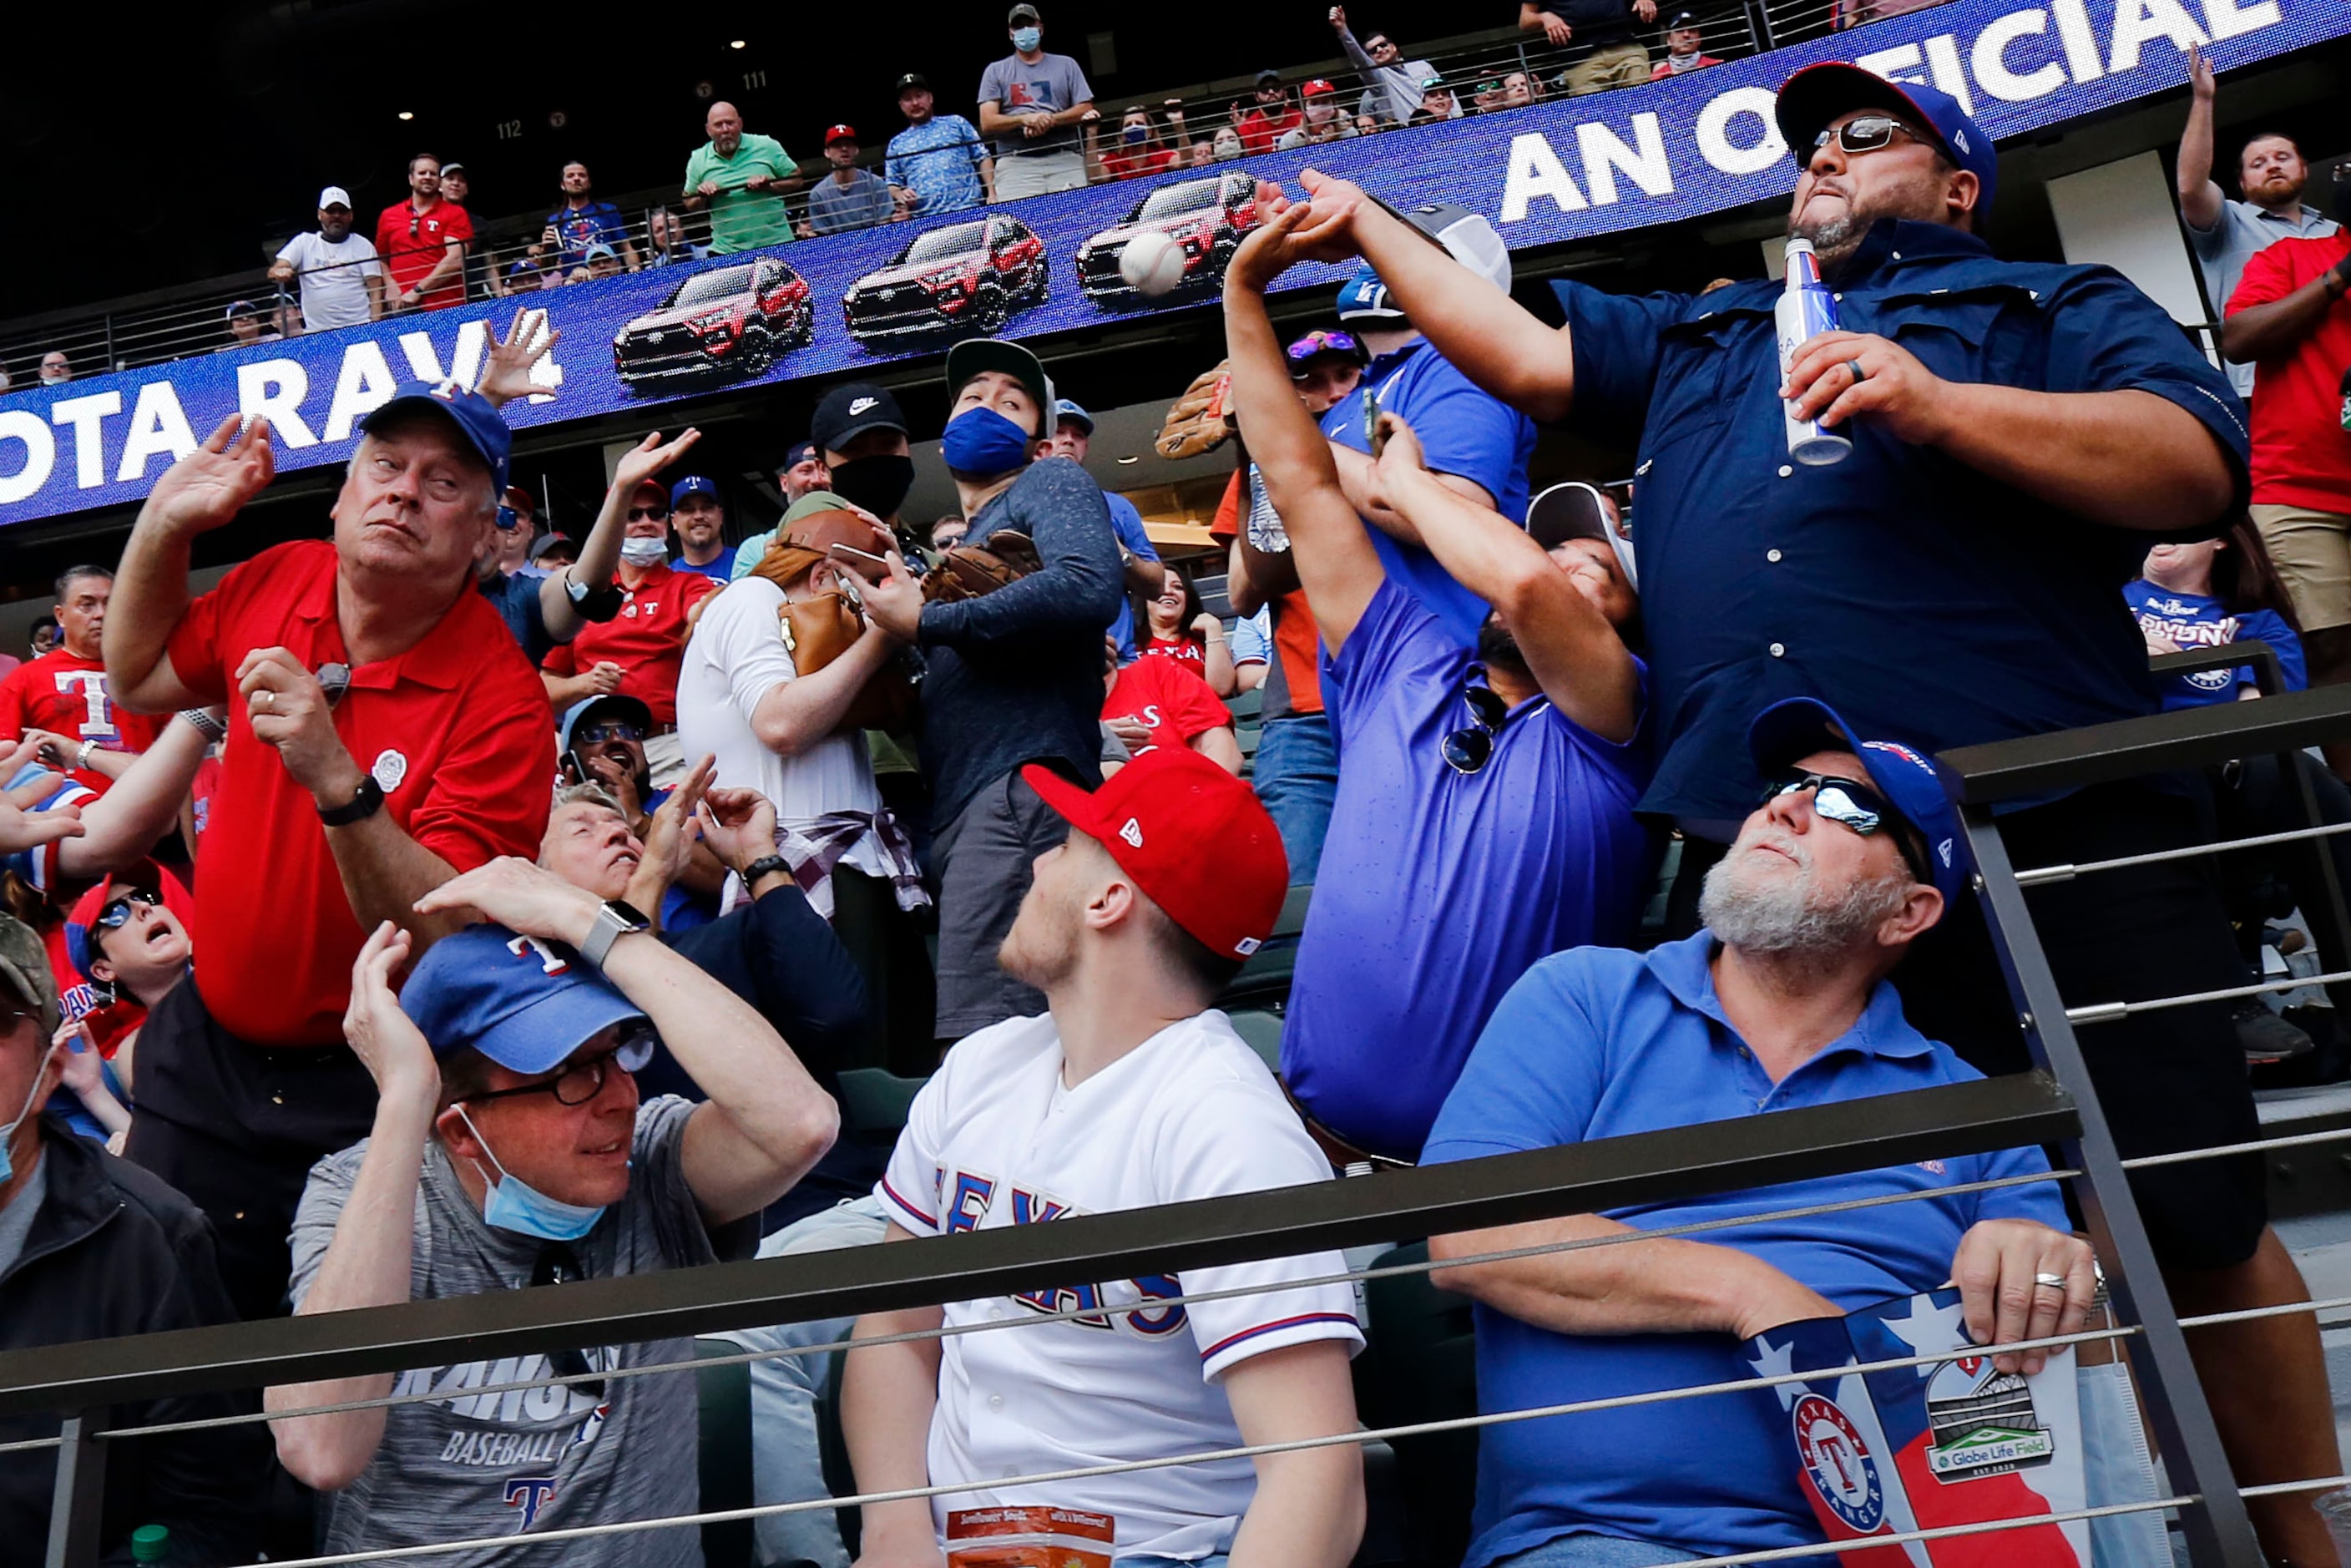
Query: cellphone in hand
pixel 1374 436
pixel 864 562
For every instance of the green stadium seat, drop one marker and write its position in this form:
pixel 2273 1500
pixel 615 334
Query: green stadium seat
pixel 1419 1364
pixel 723 1395
pixel 1262 1029
pixel 874 1102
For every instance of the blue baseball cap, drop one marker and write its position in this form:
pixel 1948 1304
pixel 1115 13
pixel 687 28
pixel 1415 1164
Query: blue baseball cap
pixel 1818 94
pixel 484 428
pixel 1067 411
pixel 524 1004
pixel 622 704
pixel 1364 298
pixel 1787 732
pixel 692 485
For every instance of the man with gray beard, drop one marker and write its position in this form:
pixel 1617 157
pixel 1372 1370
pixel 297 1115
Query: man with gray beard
pixel 1782 1003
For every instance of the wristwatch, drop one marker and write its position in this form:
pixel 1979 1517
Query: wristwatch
pixel 615 920
pixel 365 802
pixel 573 589
pixel 206 722
pixel 758 868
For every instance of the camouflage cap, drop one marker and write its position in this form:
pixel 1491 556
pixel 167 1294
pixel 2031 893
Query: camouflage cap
pixel 24 968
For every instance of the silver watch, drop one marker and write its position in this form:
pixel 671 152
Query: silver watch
pixel 615 920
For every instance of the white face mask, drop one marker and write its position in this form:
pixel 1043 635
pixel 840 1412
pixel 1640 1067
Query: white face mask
pixel 645 552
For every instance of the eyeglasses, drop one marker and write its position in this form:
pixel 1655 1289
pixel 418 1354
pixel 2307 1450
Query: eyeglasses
pixel 1867 133
pixel 1323 342
pixel 1852 805
pixel 606 731
pixel 1467 751
pixel 117 912
pixel 639 514
pixel 558 1264
pixel 583 1081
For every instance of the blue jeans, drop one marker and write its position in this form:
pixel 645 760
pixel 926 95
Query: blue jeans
pixel 1584 1549
pixel 1297 777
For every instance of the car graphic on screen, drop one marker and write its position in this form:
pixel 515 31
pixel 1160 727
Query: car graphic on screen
pixel 965 276
pixel 727 321
pixel 1207 218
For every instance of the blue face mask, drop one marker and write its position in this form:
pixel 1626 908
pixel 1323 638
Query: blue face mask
pixel 514 1204
pixel 981 443
pixel 8 1164
pixel 1026 39
pixel 1134 133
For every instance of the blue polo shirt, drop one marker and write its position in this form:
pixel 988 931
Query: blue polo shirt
pixel 1437 889
pixel 1128 524
pixel 516 598
pixel 1917 596
pixel 1599 1044
pixel 1463 431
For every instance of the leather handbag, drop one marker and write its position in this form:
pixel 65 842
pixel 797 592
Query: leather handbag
pixel 821 628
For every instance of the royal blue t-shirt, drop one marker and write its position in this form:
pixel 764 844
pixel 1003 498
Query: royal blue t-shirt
pixel 719 568
pixel 575 231
pixel 1128 523
pixel 1464 431
pixel 2201 621
pixel 1437 889
pixel 1599 1044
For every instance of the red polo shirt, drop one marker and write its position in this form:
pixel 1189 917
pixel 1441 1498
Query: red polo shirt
pixel 1173 702
pixel 2302 456
pixel 646 639
pixel 67 694
pixel 412 244
pixel 456 730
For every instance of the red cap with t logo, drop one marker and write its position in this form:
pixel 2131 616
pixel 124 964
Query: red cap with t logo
pixel 1192 837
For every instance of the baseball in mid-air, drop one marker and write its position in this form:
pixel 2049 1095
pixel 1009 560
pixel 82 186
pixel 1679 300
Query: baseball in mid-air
pixel 1150 263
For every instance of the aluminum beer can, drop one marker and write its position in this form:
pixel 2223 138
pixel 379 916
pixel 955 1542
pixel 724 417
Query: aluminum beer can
pixel 1806 309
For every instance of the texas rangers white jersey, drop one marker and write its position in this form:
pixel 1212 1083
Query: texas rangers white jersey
pixel 996 1139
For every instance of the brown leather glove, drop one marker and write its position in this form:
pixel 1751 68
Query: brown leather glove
pixel 1201 420
pixel 966 571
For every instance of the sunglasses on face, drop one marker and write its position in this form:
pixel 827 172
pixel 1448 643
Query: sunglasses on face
pixel 1468 749
pixel 117 913
pixel 606 731
pixel 639 514
pixel 1853 806
pixel 1323 342
pixel 558 1264
pixel 1867 133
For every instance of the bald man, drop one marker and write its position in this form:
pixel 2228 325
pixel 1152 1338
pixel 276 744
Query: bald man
pixel 741 178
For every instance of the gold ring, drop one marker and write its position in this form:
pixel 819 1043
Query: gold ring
pixel 268 699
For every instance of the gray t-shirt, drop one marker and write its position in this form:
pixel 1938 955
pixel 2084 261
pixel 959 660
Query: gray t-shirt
pixel 16 1220
pixel 464 1464
pixel 2243 231
pixel 1054 83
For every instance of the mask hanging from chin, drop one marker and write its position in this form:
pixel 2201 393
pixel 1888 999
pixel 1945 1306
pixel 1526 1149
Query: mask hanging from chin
pixel 513 1204
pixel 645 552
pixel 8 1133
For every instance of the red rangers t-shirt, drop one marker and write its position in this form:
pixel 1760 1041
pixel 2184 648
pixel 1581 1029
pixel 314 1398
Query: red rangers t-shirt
pixel 412 243
pixel 646 639
pixel 2302 455
pixel 1173 702
pixel 67 694
pixel 456 731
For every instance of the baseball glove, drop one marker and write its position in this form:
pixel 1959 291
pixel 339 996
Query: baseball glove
pixel 1201 420
pixel 968 571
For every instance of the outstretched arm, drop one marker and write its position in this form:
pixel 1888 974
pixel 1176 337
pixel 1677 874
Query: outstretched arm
pixel 1497 342
pixel 196 495
pixel 2200 199
pixel 1336 564
pixel 123 824
pixel 599 552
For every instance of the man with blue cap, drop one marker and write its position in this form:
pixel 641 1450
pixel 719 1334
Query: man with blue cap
pixel 699 513
pixel 2021 433
pixel 1781 1001
pixel 384 734
pixel 509 1149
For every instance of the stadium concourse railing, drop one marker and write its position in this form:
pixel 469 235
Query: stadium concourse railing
pixel 183 321
pixel 2054 1104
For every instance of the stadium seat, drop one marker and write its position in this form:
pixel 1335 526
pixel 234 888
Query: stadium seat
pixel 1215 596
pixel 1262 1029
pixel 724 1394
pixel 1264 981
pixel 873 1105
pixel 1419 1363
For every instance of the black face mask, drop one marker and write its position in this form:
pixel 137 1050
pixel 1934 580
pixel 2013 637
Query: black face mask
pixel 877 483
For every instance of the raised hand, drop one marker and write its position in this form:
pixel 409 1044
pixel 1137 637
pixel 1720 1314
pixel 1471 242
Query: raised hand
pixel 649 457
pixel 213 484
pixel 894 603
pixel 2200 80
pixel 24 828
pixel 386 1039
pixel 521 896
pixel 1272 248
pixel 1333 207
pixel 670 831
pixel 739 826
pixel 506 373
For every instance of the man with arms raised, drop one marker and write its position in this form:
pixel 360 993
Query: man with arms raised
pixel 509 1149
pixel 1781 1002
pixel 1132 1091
pixel 2022 433
pixel 384 734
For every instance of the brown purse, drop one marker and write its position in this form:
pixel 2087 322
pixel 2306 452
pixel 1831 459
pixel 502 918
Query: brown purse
pixel 821 628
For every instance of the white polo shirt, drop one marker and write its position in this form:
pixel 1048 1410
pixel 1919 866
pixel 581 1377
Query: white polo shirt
pixel 995 1139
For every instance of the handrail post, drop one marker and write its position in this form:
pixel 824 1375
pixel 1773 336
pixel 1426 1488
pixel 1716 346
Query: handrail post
pixel 77 1508
pixel 1759 25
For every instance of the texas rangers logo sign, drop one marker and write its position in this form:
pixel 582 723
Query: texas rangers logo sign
pixel 528 1495
pixel 1844 1471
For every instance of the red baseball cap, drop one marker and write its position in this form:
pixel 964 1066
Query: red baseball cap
pixel 840 133
pixel 1317 87
pixel 143 876
pixel 1192 837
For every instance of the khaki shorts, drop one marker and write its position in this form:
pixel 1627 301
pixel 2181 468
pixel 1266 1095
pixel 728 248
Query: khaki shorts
pixel 1618 65
pixel 2313 552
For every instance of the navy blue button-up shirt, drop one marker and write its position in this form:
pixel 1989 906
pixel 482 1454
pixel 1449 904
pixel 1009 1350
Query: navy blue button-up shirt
pixel 1926 600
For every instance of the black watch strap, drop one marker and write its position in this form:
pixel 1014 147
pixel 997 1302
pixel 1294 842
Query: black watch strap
pixel 761 867
pixel 365 802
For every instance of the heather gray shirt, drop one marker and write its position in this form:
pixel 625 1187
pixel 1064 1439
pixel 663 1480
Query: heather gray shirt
pixel 464 1464
pixel 1053 84
pixel 2243 231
